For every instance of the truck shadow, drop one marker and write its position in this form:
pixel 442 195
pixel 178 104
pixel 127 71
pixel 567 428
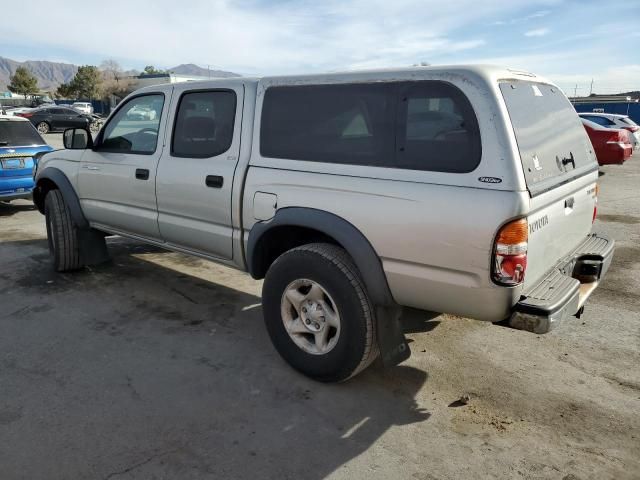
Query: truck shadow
pixel 9 209
pixel 176 375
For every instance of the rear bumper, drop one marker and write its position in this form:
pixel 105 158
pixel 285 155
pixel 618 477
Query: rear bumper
pixel 6 197
pixel 13 188
pixel 565 289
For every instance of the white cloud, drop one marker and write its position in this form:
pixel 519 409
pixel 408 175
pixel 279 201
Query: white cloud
pixel 256 36
pixel 538 14
pixel 261 37
pixel 513 21
pixel 567 68
pixel 538 32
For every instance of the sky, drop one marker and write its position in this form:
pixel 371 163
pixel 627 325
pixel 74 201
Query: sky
pixel 572 42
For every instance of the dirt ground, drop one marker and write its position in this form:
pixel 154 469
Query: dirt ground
pixel 158 366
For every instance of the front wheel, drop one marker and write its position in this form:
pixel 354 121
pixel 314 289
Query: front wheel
pixel 62 233
pixel 318 313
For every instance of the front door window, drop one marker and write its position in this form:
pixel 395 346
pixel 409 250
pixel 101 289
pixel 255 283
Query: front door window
pixel 134 127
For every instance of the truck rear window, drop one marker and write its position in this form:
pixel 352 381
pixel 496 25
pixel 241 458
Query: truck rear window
pixel 18 134
pixel 424 125
pixel 553 145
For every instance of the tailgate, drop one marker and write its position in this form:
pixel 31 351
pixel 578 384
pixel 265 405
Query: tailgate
pixel 560 219
pixel 560 170
pixel 16 165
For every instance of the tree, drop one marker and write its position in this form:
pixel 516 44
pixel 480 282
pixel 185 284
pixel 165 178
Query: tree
pixel 88 82
pixel 114 81
pixel 23 82
pixel 65 90
pixel 110 69
pixel 151 70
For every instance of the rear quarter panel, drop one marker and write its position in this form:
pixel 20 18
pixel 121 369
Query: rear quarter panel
pixel 434 241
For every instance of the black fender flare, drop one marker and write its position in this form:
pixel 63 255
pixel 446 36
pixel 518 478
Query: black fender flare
pixel 345 233
pixel 70 196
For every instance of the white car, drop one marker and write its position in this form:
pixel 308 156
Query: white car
pixel 613 120
pixel 84 107
pixel 141 112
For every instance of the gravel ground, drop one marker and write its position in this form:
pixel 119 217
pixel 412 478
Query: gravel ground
pixel 158 365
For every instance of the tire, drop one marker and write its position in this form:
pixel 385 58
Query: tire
pixel 347 348
pixel 43 127
pixel 62 233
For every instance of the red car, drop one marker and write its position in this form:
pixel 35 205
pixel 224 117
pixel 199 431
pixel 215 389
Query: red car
pixel 612 146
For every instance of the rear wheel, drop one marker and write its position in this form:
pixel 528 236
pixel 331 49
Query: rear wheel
pixel 94 127
pixel 43 127
pixel 318 314
pixel 62 233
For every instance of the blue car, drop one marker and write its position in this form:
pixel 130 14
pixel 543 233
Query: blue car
pixel 20 142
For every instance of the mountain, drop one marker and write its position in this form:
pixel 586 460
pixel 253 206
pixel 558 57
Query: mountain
pixel 49 74
pixel 195 70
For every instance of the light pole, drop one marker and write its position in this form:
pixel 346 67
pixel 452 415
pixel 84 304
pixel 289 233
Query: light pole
pixel 628 102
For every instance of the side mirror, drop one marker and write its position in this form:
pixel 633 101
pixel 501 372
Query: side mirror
pixel 77 139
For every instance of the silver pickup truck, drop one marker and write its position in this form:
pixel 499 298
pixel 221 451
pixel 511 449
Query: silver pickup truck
pixel 469 190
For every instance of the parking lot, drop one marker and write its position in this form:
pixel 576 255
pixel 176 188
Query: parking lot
pixel 158 365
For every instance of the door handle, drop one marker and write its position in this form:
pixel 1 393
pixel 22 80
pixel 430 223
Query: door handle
pixel 214 181
pixel 142 174
pixel 90 167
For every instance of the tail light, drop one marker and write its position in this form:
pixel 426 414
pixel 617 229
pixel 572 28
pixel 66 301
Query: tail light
pixel 24 115
pixel 632 128
pixel 510 253
pixel 619 138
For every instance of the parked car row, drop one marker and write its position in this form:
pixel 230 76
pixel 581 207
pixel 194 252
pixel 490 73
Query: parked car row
pixel 51 119
pixel 613 136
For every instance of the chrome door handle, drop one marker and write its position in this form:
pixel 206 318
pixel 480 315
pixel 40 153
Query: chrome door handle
pixel 90 167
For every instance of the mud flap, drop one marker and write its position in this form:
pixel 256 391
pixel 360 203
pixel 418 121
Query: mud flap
pixel 394 348
pixel 93 248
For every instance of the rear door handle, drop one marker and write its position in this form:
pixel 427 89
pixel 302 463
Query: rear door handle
pixel 214 181
pixel 142 174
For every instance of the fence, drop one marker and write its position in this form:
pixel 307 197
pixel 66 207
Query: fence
pixel 623 108
pixel 98 105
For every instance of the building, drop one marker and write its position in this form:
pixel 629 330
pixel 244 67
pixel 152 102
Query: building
pixel 620 104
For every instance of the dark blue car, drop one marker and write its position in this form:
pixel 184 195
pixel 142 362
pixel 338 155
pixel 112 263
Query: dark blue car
pixel 19 143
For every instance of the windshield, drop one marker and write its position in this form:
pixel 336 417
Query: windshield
pixel 553 145
pixel 19 134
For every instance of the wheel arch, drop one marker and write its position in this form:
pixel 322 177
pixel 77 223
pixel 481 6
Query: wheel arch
pixel 295 226
pixel 53 178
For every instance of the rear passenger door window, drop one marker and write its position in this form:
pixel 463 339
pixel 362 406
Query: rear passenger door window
pixel 204 124
pixel 437 129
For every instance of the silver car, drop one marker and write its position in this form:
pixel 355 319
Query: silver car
pixel 469 190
